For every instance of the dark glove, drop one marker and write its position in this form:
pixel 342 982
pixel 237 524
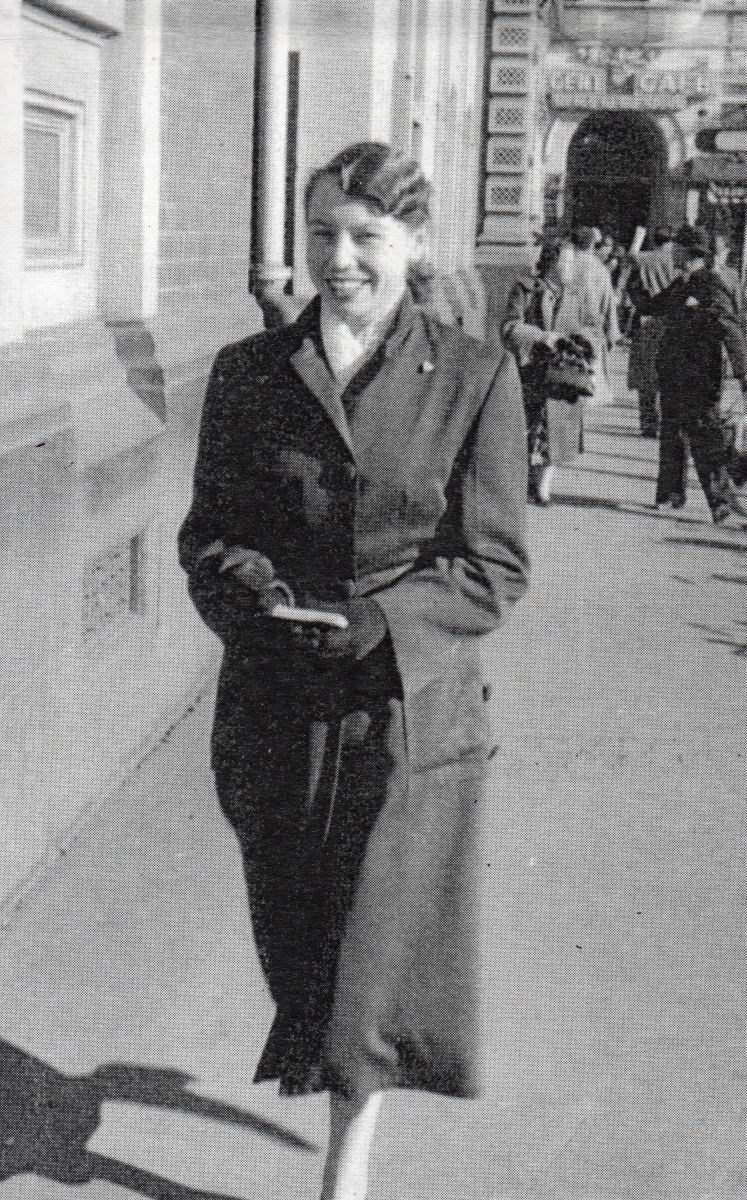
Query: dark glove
pixel 367 627
pixel 234 587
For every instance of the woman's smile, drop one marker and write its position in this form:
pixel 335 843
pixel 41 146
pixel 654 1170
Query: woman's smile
pixel 344 287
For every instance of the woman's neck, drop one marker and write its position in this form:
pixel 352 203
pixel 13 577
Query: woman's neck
pixel 364 329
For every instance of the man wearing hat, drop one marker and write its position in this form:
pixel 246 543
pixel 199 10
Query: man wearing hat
pixel 698 322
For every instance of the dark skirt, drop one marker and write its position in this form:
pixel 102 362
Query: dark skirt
pixel 554 427
pixel 643 375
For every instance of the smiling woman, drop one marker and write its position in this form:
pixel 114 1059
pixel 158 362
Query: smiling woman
pixel 359 255
pixel 367 462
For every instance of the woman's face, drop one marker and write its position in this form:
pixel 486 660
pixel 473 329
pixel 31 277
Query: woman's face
pixel 358 258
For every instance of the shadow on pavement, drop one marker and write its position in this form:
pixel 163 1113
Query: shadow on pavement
pixel 584 502
pixel 584 468
pixel 627 506
pixel 47 1119
pixel 719 638
pixel 711 543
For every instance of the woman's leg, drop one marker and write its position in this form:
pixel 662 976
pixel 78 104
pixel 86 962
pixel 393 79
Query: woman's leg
pixel 539 451
pixel 544 484
pixel 352 1128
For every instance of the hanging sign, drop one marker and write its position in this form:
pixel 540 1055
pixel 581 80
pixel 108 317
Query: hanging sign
pixel 622 88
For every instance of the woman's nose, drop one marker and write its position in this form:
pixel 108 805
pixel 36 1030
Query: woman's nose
pixel 342 250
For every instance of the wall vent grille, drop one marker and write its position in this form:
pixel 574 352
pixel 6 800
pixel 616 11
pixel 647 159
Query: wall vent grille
pixel 505 154
pixel 506 118
pixel 508 80
pixel 503 195
pixel 511 38
pixel 112 588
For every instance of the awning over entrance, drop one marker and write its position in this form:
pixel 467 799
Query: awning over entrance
pixel 723 173
pixel 726 193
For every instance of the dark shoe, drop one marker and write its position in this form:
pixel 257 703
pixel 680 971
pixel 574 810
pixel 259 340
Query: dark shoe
pixel 726 518
pixel 671 504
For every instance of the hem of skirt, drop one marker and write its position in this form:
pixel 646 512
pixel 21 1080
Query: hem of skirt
pixel 321 1078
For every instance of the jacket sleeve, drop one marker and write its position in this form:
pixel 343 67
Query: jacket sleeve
pixel 723 312
pixel 519 335
pixel 639 296
pixel 216 597
pixel 476 566
pixel 664 304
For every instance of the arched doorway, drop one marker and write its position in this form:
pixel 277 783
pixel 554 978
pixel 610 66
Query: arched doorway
pixel 616 173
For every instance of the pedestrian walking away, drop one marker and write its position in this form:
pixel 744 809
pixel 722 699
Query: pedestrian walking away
pixel 699 324
pixel 367 466
pixel 528 331
pixel 588 304
pixel 651 272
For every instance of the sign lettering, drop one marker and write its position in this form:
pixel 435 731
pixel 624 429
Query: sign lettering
pixel 623 88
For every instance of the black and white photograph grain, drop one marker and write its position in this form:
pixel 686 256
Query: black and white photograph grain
pixel 373 600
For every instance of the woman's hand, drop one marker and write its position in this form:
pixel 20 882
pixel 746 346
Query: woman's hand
pixel 248 566
pixel 366 628
pixel 246 578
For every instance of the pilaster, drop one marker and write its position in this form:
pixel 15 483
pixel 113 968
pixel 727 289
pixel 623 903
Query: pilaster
pixel 517 40
pixel 11 173
pixel 130 169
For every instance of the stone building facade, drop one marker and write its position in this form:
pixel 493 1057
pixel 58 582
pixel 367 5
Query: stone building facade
pixel 127 154
pixel 595 112
pixel 124 223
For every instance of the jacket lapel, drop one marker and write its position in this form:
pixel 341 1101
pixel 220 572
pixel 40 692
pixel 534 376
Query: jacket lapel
pixel 310 366
pixel 550 301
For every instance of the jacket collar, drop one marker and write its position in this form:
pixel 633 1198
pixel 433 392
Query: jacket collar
pixel 309 363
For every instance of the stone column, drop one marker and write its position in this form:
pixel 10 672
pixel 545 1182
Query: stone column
pixel 269 273
pixel 517 46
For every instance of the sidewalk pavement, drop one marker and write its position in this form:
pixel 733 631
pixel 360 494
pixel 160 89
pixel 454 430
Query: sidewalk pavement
pixel 133 1009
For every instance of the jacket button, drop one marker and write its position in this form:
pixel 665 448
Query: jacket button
pixel 351 471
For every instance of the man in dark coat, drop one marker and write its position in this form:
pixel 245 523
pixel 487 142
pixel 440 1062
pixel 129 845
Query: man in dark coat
pixel 353 786
pixel 651 272
pixel 699 322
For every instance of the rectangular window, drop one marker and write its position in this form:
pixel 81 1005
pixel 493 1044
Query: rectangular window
pixel 52 224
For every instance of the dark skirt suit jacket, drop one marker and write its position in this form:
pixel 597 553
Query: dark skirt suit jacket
pixel 531 309
pixel 354 789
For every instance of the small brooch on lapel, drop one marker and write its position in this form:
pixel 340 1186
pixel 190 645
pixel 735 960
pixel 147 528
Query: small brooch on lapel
pixel 426 367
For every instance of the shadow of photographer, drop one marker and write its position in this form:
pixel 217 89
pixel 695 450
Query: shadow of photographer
pixel 47 1120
